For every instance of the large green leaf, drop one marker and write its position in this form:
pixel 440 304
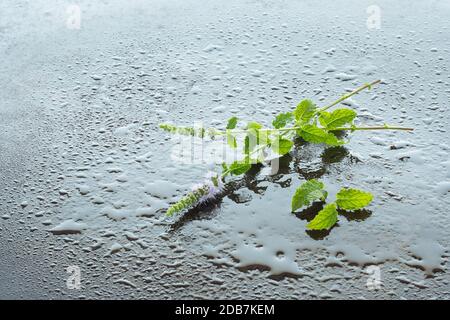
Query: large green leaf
pixel 337 118
pixel 353 199
pixel 325 219
pixel 304 111
pixel 314 134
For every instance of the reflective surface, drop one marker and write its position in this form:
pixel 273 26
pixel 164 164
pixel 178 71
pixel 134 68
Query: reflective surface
pixel 86 174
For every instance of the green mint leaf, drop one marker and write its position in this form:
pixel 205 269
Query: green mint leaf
pixel 282 119
pixel 239 167
pixel 232 122
pixel 282 145
pixel 314 134
pixel 308 192
pixel 304 111
pixel 325 219
pixel 353 199
pixel 254 125
pixel 337 118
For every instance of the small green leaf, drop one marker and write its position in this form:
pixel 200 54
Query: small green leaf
pixel 239 167
pixel 337 118
pixel 325 219
pixel 232 122
pixel 254 125
pixel 282 145
pixel 282 119
pixel 314 134
pixel 308 192
pixel 353 199
pixel 304 111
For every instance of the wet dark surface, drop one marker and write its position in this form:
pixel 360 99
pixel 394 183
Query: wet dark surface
pixel 82 155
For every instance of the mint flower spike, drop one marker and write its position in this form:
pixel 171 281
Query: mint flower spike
pixel 201 193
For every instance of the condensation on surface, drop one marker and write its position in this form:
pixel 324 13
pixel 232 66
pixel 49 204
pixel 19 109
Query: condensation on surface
pixel 87 175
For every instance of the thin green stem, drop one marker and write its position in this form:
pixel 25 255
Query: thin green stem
pixel 371 128
pixel 348 95
pixel 386 127
pixel 286 130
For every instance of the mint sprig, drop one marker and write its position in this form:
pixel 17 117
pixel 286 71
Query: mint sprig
pixel 306 121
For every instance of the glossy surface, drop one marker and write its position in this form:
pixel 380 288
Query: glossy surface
pixel 86 174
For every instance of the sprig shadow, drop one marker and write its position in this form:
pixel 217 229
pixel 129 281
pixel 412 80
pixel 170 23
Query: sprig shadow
pixel 303 160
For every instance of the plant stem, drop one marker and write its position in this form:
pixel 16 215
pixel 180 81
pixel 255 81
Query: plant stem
pixel 372 128
pixel 285 130
pixel 385 127
pixel 348 95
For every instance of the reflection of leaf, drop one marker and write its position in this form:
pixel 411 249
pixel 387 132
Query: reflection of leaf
pixel 308 192
pixel 337 118
pixel 353 199
pixel 334 154
pixel 325 219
